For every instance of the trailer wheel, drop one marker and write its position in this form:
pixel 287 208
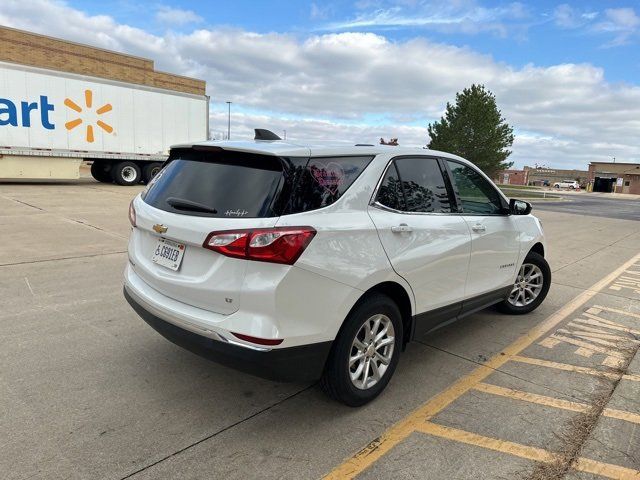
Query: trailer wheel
pixel 100 173
pixel 126 173
pixel 150 170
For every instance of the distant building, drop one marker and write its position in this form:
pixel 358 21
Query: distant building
pixel 541 176
pixel 549 176
pixel 615 177
pixel 512 177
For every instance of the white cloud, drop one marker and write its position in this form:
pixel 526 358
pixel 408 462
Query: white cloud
pixel 320 11
pixel 360 86
pixel 566 16
pixel 465 16
pixel 620 24
pixel 176 16
pixel 624 23
pixel 242 125
pixel 621 19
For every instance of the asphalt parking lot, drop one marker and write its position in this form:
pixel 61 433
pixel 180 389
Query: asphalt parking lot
pixel 582 203
pixel 88 390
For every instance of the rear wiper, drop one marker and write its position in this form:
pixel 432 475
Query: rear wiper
pixel 183 204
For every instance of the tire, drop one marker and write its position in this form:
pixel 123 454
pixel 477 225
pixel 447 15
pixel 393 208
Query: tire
pixel 126 173
pixel 99 171
pixel 150 170
pixel 517 303
pixel 572 187
pixel 337 377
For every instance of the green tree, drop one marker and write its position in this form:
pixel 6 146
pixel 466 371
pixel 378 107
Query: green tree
pixel 474 129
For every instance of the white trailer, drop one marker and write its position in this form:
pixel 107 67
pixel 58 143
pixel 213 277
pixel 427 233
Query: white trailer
pixel 51 121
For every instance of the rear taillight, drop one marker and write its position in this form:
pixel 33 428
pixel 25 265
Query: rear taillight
pixel 132 214
pixel 275 245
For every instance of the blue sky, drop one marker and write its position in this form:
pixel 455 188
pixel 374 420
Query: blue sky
pixel 534 32
pixel 566 74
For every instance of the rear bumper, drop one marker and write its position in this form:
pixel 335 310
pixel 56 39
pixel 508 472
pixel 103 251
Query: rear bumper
pixel 302 363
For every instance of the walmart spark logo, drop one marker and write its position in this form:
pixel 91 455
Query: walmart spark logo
pixel 88 101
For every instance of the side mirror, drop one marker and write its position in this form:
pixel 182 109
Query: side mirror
pixel 519 207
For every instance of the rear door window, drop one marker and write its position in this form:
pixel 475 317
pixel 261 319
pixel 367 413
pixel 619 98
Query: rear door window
pixel 415 185
pixel 390 193
pixel 218 184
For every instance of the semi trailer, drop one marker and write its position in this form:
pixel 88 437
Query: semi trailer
pixel 53 119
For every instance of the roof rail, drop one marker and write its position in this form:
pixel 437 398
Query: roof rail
pixel 263 134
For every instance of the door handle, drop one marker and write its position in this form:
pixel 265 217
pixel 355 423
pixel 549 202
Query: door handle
pixel 403 227
pixel 478 228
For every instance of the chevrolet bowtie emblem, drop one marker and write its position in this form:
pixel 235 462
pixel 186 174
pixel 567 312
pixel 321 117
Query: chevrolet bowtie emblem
pixel 158 227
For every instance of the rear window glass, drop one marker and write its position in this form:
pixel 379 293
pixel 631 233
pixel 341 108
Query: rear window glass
pixel 246 185
pixel 323 180
pixel 390 194
pixel 220 184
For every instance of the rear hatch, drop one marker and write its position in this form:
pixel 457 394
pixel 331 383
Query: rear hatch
pixel 199 192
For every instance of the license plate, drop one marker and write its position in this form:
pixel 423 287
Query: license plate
pixel 168 254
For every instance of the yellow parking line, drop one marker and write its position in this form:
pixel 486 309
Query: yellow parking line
pixel 608 323
pixel 532 397
pixel 504 446
pixel 615 310
pixel 584 331
pixel 401 430
pixel 589 346
pixel 621 415
pixel 524 451
pixel 565 366
pixel 632 377
pixel 605 469
pixel 554 402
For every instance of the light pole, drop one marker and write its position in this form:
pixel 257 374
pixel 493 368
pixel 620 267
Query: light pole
pixel 229 121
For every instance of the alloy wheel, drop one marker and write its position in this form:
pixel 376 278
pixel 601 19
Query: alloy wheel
pixel 371 351
pixel 527 286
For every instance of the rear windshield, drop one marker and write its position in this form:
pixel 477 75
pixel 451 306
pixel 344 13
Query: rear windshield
pixel 244 185
pixel 226 184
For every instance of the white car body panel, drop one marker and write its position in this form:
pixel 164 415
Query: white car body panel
pixel 206 279
pixel 268 309
pixel 495 248
pixel 435 244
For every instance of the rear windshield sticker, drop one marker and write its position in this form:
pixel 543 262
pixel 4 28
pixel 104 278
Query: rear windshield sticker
pixel 329 176
pixel 236 213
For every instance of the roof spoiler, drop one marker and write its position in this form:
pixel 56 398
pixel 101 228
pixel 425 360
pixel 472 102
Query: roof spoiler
pixel 262 134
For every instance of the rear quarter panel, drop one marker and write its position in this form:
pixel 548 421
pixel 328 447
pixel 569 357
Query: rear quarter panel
pixel 347 248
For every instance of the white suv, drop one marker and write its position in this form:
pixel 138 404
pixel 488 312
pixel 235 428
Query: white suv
pixel 299 262
pixel 572 184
